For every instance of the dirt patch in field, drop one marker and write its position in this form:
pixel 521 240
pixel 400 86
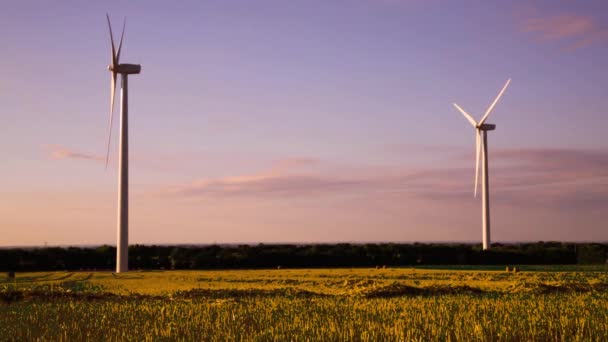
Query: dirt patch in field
pixel 400 290
pixel 29 295
pixel 548 288
pixel 58 293
pixel 244 293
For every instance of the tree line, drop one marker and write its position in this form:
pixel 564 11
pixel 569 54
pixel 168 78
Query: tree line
pixel 158 257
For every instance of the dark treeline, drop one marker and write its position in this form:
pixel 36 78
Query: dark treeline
pixel 300 256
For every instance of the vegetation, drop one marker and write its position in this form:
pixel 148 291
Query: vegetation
pixel 301 256
pixel 307 304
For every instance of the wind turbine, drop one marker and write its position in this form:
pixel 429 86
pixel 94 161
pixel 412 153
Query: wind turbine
pixel 481 144
pixel 122 243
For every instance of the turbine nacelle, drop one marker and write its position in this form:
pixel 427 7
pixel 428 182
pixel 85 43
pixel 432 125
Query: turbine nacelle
pixel 486 127
pixel 125 69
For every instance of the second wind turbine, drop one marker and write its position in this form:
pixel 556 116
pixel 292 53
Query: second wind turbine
pixel 481 144
pixel 122 243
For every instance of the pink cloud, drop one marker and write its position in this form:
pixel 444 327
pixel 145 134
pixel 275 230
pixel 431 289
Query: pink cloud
pixel 559 177
pixel 400 149
pixel 519 177
pixel 285 165
pixel 60 152
pixel 289 185
pixel 285 177
pixel 575 31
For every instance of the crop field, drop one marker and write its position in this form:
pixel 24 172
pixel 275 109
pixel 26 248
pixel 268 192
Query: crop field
pixel 386 304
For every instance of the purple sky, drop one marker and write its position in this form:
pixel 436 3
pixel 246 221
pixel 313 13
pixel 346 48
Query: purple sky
pixel 305 121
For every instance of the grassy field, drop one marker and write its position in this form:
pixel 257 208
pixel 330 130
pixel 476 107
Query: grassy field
pixel 309 305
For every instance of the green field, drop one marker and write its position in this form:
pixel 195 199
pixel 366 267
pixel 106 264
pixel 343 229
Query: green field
pixel 309 305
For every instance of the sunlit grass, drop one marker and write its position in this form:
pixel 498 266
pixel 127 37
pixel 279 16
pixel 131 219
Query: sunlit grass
pixel 307 305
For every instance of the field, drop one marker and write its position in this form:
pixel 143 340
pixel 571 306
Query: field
pixel 392 304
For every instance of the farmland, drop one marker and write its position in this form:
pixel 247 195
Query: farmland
pixel 309 304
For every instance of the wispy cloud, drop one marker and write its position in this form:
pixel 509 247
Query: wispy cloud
pixel 563 177
pixel 288 164
pixel 285 177
pixel 288 185
pixel 574 31
pixel 519 176
pixel 435 149
pixel 61 152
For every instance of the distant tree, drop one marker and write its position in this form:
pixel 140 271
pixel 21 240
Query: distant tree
pixel 591 254
pixel 294 256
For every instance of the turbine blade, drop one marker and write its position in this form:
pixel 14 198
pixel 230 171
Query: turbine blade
pixel 112 95
pixel 487 114
pixel 466 115
pixel 124 23
pixel 114 62
pixel 478 143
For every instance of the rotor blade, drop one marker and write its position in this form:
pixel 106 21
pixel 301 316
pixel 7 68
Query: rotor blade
pixel 112 95
pixel 478 143
pixel 124 23
pixel 466 115
pixel 114 62
pixel 485 117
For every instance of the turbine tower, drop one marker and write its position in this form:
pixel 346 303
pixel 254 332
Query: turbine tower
pixel 122 243
pixel 481 145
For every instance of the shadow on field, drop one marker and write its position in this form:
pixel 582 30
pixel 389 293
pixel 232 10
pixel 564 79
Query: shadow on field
pixel 245 293
pixel 84 291
pixel 542 288
pixel 399 290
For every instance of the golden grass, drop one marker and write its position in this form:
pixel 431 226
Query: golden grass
pixel 306 305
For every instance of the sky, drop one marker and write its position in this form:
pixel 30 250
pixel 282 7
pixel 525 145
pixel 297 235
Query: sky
pixel 305 121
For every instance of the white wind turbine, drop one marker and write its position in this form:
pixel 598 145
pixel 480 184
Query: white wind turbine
pixel 481 134
pixel 122 243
